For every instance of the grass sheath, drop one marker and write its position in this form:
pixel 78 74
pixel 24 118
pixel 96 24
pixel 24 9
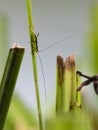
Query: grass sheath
pixel 67 97
pixel 8 80
pixel 34 49
pixel 59 84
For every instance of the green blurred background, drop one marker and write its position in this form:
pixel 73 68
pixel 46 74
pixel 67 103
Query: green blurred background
pixel 53 20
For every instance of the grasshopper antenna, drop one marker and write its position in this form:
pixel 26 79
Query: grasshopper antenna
pixel 36 37
pixel 42 74
pixel 58 42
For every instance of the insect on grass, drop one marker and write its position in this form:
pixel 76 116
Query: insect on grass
pixel 38 51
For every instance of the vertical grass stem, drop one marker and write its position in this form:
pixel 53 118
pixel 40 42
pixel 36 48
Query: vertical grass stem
pixel 34 49
pixel 8 80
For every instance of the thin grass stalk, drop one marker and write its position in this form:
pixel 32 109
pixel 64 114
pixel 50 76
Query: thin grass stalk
pixel 8 81
pixel 33 42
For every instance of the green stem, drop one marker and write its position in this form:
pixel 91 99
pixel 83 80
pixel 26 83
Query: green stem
pixel 67 98
pixel 33 41
pixel 37 90
pixel 8 81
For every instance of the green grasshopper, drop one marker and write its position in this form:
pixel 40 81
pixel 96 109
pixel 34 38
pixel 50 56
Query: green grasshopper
pixel 34 42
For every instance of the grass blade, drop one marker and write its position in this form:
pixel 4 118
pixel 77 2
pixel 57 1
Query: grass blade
pixel 8 81
pixel 34 49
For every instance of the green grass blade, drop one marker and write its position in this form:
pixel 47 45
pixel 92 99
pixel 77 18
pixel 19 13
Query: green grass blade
pixel 8 81
pixel 33 42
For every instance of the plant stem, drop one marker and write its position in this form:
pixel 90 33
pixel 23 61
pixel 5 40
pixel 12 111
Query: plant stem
pixel 8 81
pixel 33 41
pixel 67 97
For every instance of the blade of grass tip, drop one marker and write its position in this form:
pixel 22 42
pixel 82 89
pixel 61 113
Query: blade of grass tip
pixel 34 49
pixel 59 85
pixel 8 81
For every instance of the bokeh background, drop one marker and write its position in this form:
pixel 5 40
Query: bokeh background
pixel 54 20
